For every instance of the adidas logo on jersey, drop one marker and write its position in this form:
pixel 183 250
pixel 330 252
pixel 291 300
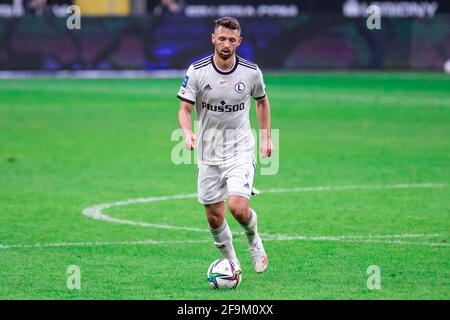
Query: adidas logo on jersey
pixel 207 87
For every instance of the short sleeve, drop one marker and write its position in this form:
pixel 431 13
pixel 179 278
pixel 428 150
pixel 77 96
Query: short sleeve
pixel 258 88
pixel 188 89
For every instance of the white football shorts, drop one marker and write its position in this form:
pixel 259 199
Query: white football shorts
pixel 216 182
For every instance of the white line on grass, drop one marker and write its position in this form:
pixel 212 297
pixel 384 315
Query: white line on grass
pixel 282 237
pixel 355 239
pixel 367 239
pixel 97 244
pixel 359 187
pixel 96 212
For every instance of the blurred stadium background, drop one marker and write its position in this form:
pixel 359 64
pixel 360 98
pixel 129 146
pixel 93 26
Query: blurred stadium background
pixel 279 34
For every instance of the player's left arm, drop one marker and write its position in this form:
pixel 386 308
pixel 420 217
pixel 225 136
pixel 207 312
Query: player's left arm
pixel 263 115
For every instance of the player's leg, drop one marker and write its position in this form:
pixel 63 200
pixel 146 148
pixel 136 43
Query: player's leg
pixel 239 207
pixel 212 194
pixel 220 231
pixel 239 183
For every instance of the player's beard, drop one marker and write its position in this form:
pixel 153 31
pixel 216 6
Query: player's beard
pixel 227 54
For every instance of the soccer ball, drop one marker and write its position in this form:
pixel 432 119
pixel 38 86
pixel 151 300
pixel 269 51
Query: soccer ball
pixel 223 274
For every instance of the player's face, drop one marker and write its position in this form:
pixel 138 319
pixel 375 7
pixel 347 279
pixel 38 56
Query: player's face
pixel 226 41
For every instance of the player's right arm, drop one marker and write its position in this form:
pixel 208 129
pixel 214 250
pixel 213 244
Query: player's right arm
pixel 187 95
pixel 184 118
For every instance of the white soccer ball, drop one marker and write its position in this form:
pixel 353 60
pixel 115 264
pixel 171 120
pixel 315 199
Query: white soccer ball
pixel 224 274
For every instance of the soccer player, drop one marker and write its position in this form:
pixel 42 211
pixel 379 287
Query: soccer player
pixel 220 86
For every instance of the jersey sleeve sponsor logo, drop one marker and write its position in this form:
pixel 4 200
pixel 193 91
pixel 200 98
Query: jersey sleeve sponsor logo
pixel 239 87
pixel 185 81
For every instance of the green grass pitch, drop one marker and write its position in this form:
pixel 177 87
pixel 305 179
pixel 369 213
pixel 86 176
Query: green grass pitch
pixel 370 153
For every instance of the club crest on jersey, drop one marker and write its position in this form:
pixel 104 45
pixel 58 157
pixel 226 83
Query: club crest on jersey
pixel 239 87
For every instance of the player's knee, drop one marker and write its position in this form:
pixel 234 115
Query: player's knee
pixel 239 210
pixel 215 222
pixel 215 217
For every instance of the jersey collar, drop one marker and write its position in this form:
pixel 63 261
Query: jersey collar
pixel 236 62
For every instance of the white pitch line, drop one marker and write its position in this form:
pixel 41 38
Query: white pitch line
pixel 96 212
pixel 97 244
pixel 354 239
pixel 359 187
pixel 282 237
pixel 372 239
pixel 400 242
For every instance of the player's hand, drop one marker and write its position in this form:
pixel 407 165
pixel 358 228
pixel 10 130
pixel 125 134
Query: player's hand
pixel 266 148
pixel 190 141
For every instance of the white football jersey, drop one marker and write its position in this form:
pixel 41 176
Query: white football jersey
pixel 222 102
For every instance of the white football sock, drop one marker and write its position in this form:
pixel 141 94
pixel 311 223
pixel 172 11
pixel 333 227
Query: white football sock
pixel 250 227
pixel 223 240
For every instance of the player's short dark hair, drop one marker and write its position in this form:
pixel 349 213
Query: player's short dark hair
pixel 227 22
